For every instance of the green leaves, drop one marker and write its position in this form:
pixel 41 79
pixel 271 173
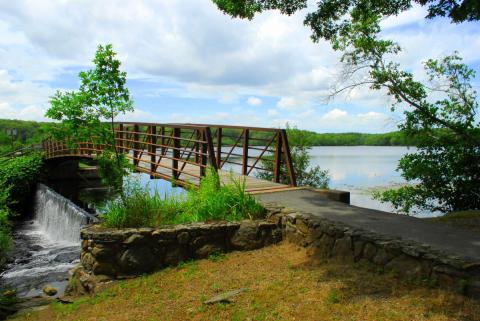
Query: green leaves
pixel 102 96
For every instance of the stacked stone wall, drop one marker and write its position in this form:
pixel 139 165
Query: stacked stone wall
pixel 118 253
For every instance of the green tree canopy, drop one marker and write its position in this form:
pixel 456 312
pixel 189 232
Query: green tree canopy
pixel 102 96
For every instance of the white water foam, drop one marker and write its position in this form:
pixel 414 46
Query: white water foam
pixel 58 217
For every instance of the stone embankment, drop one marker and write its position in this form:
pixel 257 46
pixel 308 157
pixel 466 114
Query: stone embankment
pixel 112 253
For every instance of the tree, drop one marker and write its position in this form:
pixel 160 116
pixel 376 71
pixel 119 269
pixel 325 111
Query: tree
pixel 445 172
pixel 300 144
pixel 102 95
pixel 331 17
pixel 446 166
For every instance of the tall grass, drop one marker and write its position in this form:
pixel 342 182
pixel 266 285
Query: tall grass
pixel 211 202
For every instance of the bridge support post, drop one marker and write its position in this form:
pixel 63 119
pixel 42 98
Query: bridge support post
pixel 219 147
pixel 203 150
pixel 246 134
pixel 176 152
pixel 152 149
pixel 136 146
pixel 288 159
pixel 278 159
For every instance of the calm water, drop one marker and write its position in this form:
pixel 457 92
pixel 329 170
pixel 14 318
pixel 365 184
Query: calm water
pixel 357 169
pixel 362 170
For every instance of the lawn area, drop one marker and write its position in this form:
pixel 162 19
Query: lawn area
pixel 469 220
pixel 282 285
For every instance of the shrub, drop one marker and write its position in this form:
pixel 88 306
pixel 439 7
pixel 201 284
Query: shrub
pixel 20 174
pixel 212 201
pixel 17 178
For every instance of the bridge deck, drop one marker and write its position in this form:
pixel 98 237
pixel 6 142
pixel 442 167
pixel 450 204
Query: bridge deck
pixel 190 174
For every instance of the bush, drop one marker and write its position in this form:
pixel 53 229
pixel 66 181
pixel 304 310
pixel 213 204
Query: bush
pixel 212 201
pixel 17 178
pixel 20 174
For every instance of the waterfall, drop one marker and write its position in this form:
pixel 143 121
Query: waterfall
pixel 58 217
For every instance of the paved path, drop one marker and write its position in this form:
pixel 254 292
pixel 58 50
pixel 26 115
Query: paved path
pixel 452 240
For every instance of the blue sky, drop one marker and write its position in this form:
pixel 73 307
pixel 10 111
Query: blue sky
pixel 187 62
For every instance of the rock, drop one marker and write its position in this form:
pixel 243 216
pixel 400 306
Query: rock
pixel 104 268
pixel 246 237
pixel 358 248
pixel 302 227
pixel 49 290
pixel 407 267
pixel 342 249
pixel 66 257
pixel 133 239
pixel 103 252
pixel 137 259
pixel 208 249
pixel 322 248
pixel 183 238
pixel 369 251
pixel 225 297
pixel 382 257
pixel 87 260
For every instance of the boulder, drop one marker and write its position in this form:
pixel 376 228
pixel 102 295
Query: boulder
pixel 49 290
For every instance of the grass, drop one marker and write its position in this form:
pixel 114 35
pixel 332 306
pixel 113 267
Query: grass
pixel 211 202
pixel 282 283
pixel 464 219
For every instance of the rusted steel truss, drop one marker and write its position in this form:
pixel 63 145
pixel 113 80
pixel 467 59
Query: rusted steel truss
pixel 181 153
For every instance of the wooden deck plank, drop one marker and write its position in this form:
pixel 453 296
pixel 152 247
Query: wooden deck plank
pixel 252 184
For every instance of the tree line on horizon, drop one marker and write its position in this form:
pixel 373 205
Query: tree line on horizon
pixel 32 132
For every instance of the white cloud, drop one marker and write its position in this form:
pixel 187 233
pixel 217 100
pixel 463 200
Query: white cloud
pixel 254 101
pixel 272 113
pixel 189 51
pixel 416 14
pixel 335 114
pixel 31 112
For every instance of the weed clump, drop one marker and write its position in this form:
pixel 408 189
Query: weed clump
pixel 213 201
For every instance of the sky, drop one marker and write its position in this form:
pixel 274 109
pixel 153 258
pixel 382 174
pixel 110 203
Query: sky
pixel 188 62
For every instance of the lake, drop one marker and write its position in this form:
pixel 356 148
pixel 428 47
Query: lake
pixel 357 169
pixel 362 170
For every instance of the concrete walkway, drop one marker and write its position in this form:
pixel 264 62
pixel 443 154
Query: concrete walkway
pixel 453 241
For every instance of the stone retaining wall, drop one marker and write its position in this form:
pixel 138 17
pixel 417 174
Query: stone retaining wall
pixel 112 253
pixel 118 253
pixel 409 260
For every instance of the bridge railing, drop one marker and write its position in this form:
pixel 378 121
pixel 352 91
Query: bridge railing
pixel 182 152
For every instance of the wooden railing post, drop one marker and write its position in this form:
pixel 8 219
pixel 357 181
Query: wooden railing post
pixel 288 159
pixel 203 150
pixel 176 152
pixel 219 147
pixel 278 159
pixel 152 148
pixel 136 145
pixel 162 140
pixel 246 133
pixel 120 138
pixel 197 146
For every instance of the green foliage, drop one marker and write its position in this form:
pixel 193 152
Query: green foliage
pixel 112 169
pixel 102 95
pixel 28 133
pixel 332 18
pixel 5 225
pixel 445 171
pixel 300 144
pixel 18 176
pixel 212 201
